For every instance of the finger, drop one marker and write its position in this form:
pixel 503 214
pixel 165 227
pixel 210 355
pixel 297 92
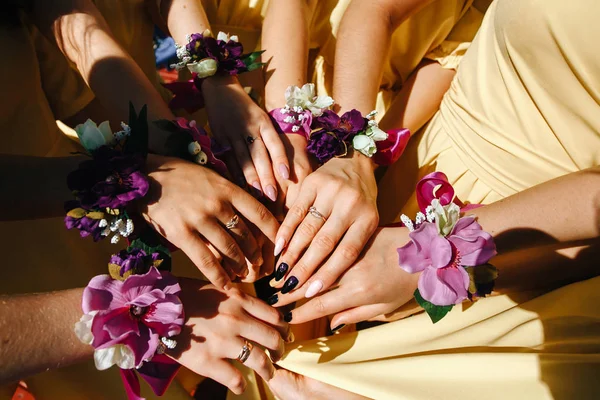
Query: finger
pixel 276 149
pixel 240 149
pixel 264 335
pixel 258 361
pixel 193 246
pixel 235 170
pixel 256 213
pixel 344 256
pixel 294 217
pixel 334 301
pixel 357 314
pixel 226 374
pixel 233 257
pixel 262 164
pixel 243 236
pixel 261 311
pixel 320 246
pixel 269 260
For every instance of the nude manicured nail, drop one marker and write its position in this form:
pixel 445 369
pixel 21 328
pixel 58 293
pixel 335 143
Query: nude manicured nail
pixel 271 193
pixel 284 171
pixel 279 246
pixel 313 289
pixel 258 189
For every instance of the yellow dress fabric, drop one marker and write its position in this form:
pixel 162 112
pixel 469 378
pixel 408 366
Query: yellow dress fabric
pixel 440 31
pixel 524 108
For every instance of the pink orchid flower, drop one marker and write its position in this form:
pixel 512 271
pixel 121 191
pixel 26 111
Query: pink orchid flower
pixel 135 312
pixel 441 259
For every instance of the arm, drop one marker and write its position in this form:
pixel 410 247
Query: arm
pixel 545 236
pixel 36 333
pixel 365 33
pixel 37 186
pixel 83 35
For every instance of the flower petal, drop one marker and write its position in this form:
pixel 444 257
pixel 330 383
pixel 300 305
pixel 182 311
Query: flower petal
pixel 415 255
pixel 166 317
pixel 475 245
pixel 102 293
pixel 445 286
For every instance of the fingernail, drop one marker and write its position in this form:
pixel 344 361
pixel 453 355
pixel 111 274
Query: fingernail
pixel 313 289
pixel 289 285
pixel 257 189
pixel 273 282
pixel 284 171
pixel 281 271
pixel 287 317
pixel 337 328
pixel 271 193
pixel 273 299
pixel 228 286
pixel 290 337
pixel 279 246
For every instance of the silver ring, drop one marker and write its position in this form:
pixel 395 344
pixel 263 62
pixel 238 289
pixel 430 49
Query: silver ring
pixel 232 223
pixel 251 139
pixel 245 352
pixel 315 213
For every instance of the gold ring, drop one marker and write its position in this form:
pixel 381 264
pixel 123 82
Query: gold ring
pixel 315 213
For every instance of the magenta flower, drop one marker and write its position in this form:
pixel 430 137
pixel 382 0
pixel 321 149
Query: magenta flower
pixel 210 147
pixel 444 281
pixel 290 121
pixel 135 312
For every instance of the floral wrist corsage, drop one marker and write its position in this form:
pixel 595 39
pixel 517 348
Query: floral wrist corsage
pixel 132 314
pixel 330 135
pixel 451 251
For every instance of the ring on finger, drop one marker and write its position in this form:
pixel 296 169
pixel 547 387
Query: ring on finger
pixel 315 213
pixel 232 223
pixel 251 139
pixel 245 352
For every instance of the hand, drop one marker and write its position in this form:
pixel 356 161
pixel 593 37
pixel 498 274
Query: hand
pixel 295 146
pixel 217 325
pixel 373 288
pixel 344 192
pixel 190 206
pixel 236 120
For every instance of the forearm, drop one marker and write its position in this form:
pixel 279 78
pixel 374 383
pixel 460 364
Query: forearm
pixel 36 333
pixel 34 187
pixel 84 37
pixel 419 99
pixel 285 41
pixel 184 17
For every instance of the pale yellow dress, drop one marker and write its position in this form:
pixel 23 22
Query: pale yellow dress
pixel 441 31
pixel 524 108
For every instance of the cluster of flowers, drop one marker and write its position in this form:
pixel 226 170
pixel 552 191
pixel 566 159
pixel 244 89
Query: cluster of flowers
pixel 451 251
pixel 131 314
pixel 330 135
pixel 205 55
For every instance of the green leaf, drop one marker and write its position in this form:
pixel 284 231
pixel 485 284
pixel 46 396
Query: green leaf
pixel 149 241
pixel 254 66
pixel 481 279
pixel 137 142
pixel 166 125
pixel 177 145
pixel 250 58
pixel 435 312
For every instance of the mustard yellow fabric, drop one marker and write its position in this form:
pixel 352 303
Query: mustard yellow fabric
pixel 524 108
pixel 441 31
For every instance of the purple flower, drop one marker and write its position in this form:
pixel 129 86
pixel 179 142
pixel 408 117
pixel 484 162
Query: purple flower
pixel 110 180
pixel 227 53
pixel 444 281
pixel 87 222
pixel 325 145
pixel 135 312
pixel 135 259
pixel 346 126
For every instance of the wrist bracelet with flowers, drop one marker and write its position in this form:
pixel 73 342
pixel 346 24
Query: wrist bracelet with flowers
pixel 131 314
pixel 449 249
pixel 330 135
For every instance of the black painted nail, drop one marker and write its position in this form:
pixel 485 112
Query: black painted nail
pixel 289 285
pixel 287 317
pixel 281 271
pixel 273 299
pixel 337 328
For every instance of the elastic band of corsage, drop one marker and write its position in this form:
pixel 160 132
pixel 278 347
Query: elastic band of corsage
pixel 450 250
pixel 330 135
pixel 132 313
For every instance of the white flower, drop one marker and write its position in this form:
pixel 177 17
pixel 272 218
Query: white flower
pixel 93 136
pixel 204 68
pixel 83 328
pixel 201 158
pixel 375 133
pixel 226 38
pixel 364 144
pixel 119 354
pixel 305 99
pixel 445 216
